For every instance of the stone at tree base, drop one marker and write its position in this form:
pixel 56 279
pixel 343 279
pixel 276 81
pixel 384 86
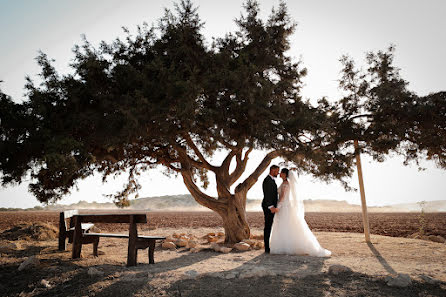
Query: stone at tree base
pixel 30 262
pixel 225 250
pixel 242 246
pixel 181 242
pixel 212 239
pixel 170 239
pixel 195 250
pixel 216 247
pixel 249 241
pixel 260 245
pixel 402 280
pixel 338 269
pixel 192 244
pixel 169 245
pixel 220 234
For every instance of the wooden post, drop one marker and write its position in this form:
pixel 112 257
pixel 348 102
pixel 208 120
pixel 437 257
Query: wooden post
pixel 365 218
pixel 132 248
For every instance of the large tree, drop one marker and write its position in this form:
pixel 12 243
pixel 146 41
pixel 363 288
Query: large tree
pixel 166 97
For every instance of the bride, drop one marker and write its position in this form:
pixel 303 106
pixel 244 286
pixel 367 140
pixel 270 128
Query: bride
pixel 290 233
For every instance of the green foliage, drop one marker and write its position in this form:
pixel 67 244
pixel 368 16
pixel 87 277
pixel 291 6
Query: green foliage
pixel 379 110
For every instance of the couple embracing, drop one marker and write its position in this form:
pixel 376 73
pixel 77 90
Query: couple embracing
pixel 286 231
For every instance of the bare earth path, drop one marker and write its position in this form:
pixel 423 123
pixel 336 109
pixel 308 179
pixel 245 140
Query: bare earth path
pixel 208 273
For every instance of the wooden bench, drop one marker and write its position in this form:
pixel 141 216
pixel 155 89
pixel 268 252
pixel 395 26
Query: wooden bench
pixel 135 242
pixel 66 227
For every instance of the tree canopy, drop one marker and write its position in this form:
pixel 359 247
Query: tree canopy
pixel 164 97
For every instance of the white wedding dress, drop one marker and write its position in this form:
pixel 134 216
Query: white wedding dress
pixel 290 233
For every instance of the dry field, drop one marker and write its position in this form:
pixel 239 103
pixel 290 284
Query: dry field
pixel 388 224
pixel 208 273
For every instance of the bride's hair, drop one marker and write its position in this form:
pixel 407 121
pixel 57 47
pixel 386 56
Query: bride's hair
pixel 286 171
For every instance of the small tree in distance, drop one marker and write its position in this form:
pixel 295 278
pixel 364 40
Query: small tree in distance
pixel 165 98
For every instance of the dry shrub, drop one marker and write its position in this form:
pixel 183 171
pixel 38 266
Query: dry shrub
pixel 35 231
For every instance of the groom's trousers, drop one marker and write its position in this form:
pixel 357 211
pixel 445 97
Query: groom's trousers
pixel 269 217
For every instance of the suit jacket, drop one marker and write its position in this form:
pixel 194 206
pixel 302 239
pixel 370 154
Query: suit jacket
pixel 270 196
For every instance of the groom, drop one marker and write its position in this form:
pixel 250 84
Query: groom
pixel 269 202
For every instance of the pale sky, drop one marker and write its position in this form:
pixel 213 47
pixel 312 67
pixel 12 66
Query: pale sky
pixel 326 30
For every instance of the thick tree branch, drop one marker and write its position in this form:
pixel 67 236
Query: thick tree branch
pixel 199 196
pixel 252 179
pixel 191 144
pixel 240 168
pixel 185 156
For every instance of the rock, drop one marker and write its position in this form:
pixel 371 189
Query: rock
pixel 437 238
pixel 192 244
pixel 260 245
pixel 195 250
pixel 185 237
pixel 428 279
pixel 191 273
pixel 94 272
pixel 30 262
pixel 170 239
pixel 225 250
pixel 169 245
pixel 250 242
pixel 402 280
pixel 44 283
pixel 216 247
pixel 220 234
pixel 255 272
pixel 7 247
pixel 211 234
pixel 175 235
pixel 181 242
pixel 338 269
pixel 212 239
pixel 242 246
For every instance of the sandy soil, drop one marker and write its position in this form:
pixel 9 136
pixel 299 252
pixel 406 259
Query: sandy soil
pixel 208 273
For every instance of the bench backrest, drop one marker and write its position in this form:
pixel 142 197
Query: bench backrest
pixel 112 218
pixel 65 215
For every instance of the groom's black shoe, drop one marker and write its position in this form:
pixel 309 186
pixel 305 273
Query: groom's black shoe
pixel 267 251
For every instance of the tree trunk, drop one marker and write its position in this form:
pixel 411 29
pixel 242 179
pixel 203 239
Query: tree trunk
pixel 234 219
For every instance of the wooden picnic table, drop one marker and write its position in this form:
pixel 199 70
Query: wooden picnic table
pixel 135 242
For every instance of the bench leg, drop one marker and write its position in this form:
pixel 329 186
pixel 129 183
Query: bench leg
pixel 95 247
pixel 62 232
pixel 77 239
pixel 132 253
pixel 151 251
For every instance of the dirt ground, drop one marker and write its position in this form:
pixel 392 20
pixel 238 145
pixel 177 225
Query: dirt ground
pixel 388 224
pixel 208 273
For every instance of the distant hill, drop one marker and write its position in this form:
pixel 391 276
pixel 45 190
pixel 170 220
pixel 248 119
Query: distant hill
pixel 187 203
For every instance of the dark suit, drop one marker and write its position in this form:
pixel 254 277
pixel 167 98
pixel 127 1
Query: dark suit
pixel 269 199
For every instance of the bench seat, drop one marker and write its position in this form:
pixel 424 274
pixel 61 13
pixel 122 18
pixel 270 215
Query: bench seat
pixel 123 236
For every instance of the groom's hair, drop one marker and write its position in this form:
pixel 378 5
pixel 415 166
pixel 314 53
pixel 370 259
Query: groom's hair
pixel 273 167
